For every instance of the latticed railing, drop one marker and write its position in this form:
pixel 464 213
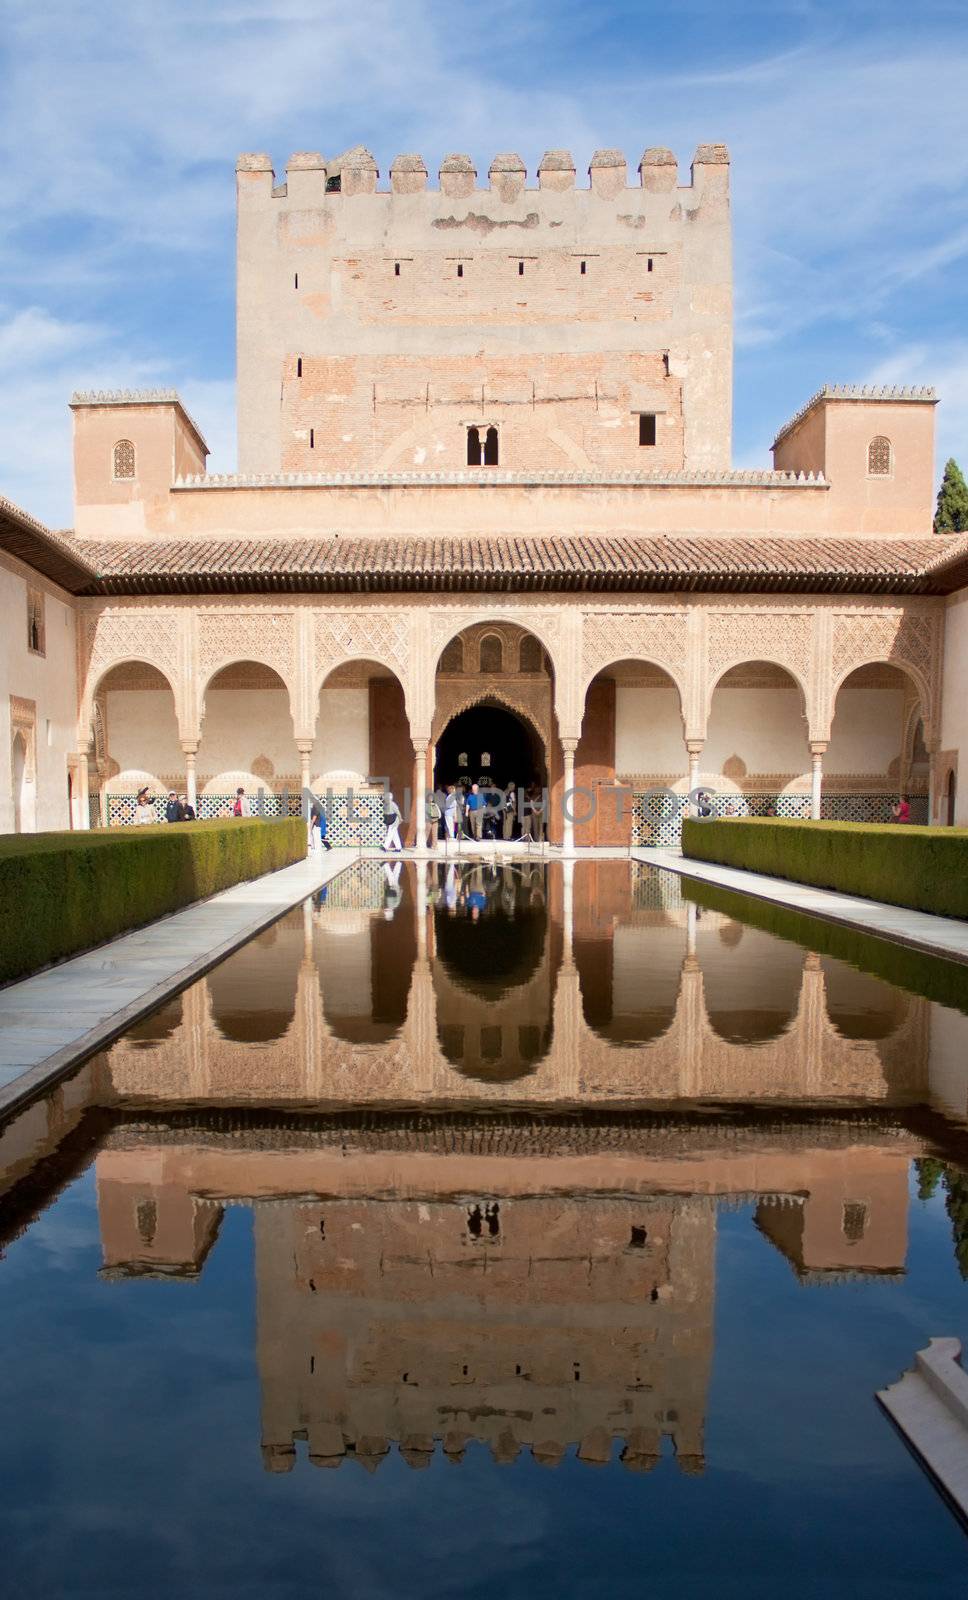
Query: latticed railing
pixel 657 818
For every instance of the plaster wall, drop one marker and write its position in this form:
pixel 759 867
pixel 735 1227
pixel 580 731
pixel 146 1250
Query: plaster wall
pixel 49 681
pixel 648 732
pixel 142 731
pixel 865 736
pixel 240 725
pixel 954 702
pixel 342 731
pixel 418 313
pixel 765 728
pixel 833 438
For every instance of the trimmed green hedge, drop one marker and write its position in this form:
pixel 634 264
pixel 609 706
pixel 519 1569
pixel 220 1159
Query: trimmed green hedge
pixel 61 893
pixel 923 868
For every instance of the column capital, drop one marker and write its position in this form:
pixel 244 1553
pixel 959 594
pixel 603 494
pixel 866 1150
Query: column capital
pixel 420 746
pixel 569 743
pixel 305 746
pixel 818 748
pixel 695 747
pixel 189 746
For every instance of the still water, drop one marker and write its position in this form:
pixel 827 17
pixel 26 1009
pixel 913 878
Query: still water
pixel 491 1231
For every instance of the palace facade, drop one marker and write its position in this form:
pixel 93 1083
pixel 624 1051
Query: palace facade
pixel 485 526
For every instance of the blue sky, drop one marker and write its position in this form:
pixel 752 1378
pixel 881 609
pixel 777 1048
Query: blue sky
pixel 120 124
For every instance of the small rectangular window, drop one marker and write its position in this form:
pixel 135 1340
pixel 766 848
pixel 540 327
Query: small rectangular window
pixel 583 269
pixel 299 367
pixel 396 269
pixel 460 269
pixel 295 280
pixel 646 427
pixel 312 438
pixel 36 642
pixel 648 264
pixel 520 269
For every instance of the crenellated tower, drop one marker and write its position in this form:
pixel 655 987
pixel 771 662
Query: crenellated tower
pixel 544 327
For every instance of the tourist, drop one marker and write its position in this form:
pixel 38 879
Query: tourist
pixel 508 807
pixel 431 818
pixel 902 811
pixel 144 808
pixel 323 827
pixel 475 812
pixel 173 811
pixel 391 819
pixel 241 806
pixel 451 809
pixel 537 804
pixel 187 811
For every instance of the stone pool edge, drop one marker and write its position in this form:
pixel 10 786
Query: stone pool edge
pixel 47 992
pixel 945 937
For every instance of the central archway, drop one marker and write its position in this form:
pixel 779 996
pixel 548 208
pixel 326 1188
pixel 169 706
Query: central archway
pixel 489 744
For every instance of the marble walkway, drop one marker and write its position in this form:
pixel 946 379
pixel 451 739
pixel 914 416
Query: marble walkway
pixel 53 1020
pixel 919 930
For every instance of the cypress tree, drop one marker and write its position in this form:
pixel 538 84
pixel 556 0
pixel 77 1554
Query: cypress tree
pixel 952 512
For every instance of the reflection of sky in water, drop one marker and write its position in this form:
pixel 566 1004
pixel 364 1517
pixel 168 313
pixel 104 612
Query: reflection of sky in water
pixel 131 1463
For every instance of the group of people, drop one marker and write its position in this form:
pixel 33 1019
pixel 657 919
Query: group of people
pixel 475 812
pixel 177 808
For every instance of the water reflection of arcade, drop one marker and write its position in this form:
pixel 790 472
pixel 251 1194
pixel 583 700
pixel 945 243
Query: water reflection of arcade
pixel 494 984
pixel 581 1317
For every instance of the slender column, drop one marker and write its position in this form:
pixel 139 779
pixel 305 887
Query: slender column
pixel 568 913
pixel 305 748
pixel 691 910
pixel 421 871
pixel 694 748
pixel 84 785
pixel 191 782
pixel 420 794
pixel 568 746
pixel 817 748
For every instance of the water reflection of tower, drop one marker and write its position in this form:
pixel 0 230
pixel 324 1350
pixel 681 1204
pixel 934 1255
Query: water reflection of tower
pixel 522 1323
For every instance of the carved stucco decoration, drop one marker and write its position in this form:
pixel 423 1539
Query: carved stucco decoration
pixel 544 624
pixel 757 634
pixel 529 699
pixel 655 636
pixel 383 636
pixel 108 638
pixel 23 721
pixel 906 639
pixel 226 636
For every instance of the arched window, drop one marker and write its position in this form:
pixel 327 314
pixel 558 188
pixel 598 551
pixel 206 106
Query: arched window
pixel 492 653
pixel 879 457
pixel 473 447
pixel 452 659
pixel 490 448
pixel 124 459
pixel 530 654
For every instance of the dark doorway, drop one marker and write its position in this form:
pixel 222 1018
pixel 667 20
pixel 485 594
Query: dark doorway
pixel 489 744
pixel 949 799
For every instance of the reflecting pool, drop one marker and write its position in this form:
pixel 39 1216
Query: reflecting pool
pixel 490 1229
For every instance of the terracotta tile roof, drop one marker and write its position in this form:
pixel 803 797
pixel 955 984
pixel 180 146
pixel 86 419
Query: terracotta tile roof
pixel 54 555
pixel 933 564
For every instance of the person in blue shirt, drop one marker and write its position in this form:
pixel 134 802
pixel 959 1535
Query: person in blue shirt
pixel 475 811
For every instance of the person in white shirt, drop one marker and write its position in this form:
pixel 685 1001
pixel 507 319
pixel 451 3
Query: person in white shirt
pixel 391 816
pixel 451 807
pixel 144 811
